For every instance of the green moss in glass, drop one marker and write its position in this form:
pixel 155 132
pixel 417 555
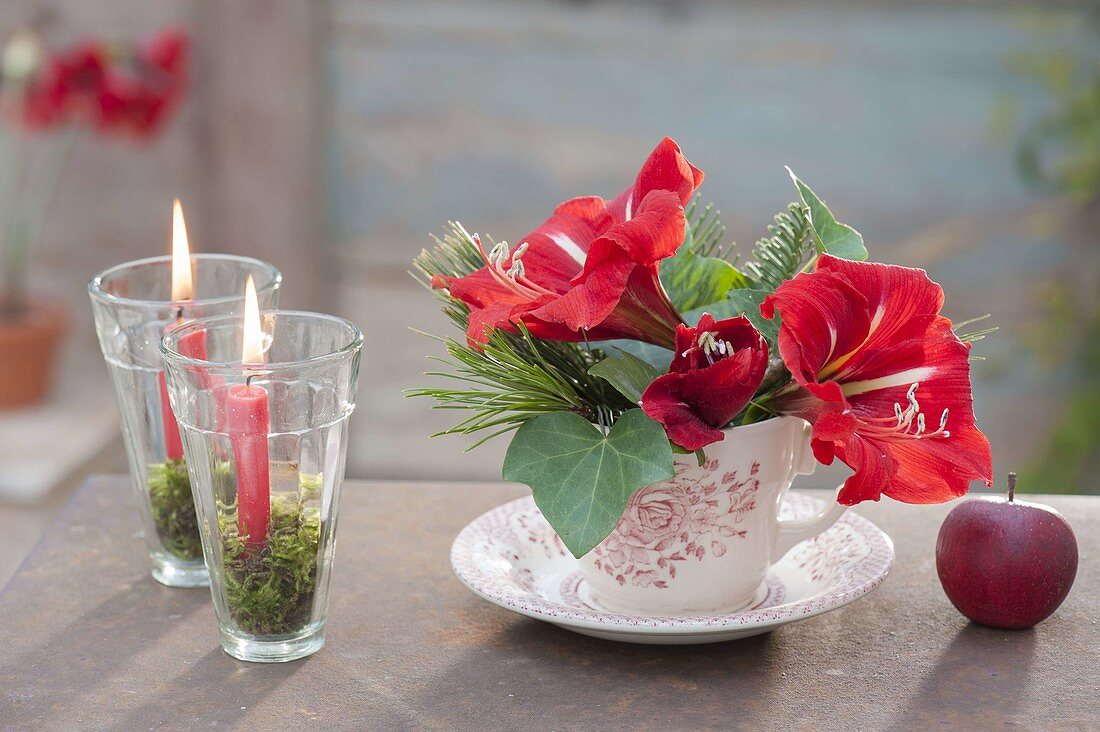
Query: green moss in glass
pixel 174 509
pixel 269 589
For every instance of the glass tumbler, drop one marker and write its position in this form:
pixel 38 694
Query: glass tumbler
pixel 265 446
pixel 133 309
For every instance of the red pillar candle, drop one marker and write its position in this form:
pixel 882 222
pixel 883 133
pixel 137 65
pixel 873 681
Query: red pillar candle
pixel 248 422
pixel 193 345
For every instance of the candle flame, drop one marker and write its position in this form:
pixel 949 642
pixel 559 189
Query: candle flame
pixel 252 339
pixel 182 287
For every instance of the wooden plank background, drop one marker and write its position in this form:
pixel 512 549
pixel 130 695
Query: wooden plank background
pixel 333 137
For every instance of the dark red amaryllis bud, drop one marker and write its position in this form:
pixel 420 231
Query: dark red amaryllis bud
pixel 716 370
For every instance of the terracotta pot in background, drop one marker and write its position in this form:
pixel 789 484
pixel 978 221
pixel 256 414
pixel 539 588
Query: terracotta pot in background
pixel 28 352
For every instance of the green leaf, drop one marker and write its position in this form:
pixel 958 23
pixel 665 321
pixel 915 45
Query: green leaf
pixel 656 356
pixel 741 302
pixel 627 373
pixel 581 479
pixel 832 237
pixel 693 281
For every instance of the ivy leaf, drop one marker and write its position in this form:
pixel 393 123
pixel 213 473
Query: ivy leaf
pixel 832 237
pixel 693 281
pixel 741 302
pixel 656 356
pixel 627 373
pixel 582 479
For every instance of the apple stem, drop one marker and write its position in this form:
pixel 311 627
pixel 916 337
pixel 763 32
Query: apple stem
pixel 1011 486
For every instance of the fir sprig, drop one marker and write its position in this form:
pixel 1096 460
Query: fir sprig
pixel 785 253
pixel 456 254
pixel 514 377
pixel 707 230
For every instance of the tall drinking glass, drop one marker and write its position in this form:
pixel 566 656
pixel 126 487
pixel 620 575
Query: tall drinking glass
pixel 265 445
pixel 133 309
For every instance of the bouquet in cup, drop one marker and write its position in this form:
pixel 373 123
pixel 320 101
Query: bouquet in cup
pixel 621 332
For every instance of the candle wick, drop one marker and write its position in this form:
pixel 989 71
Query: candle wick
pixel 248 381
pixel 179 313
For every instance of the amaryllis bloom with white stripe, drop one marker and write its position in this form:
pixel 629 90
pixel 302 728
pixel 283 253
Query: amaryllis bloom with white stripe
pixel 883 378
pixel 590 271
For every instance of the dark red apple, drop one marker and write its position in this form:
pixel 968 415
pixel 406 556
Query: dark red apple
pixel 1006 564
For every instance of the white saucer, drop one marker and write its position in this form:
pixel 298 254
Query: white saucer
pixel 511 557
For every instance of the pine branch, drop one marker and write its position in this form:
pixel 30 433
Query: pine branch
pixel 706 230
pixel 780 256
pixel 515 377
pixel 455 255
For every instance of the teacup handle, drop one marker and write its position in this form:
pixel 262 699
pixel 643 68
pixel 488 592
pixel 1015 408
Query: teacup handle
pixel 794 531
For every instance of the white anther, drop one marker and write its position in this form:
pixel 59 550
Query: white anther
pixel 499 254
pixel 943 420
pixel 920 424
pixel 520 251
pixel 517 270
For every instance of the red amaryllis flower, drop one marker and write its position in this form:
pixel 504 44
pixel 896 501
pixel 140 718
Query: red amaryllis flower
pixel 136 99
pixel 68 86
pixel 871 356
pixel 590 271
pixel 122 91
pixel 716 370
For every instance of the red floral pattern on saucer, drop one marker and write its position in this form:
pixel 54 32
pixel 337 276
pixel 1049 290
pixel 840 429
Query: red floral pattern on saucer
pixel 512 557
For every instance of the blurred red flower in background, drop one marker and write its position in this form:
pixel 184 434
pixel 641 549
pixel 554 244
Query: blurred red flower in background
pixel 122 89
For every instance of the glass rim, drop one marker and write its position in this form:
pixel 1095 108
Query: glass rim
pixel 175 334
pixel 96 289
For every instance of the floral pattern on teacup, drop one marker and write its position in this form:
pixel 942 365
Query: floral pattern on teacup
pixel 677 520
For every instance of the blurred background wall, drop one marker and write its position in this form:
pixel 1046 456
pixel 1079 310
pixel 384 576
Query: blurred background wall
pixel 332 137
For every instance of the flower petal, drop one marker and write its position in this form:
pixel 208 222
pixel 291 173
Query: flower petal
pixel 557 249
pixel 824 317
pixel 655 233
pixel 720 391
pixel 712 383
pixel 666 169
pixel 662 401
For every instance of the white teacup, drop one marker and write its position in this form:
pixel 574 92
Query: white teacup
pixel 703 541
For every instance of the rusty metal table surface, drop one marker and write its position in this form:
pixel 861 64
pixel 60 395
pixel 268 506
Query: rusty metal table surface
pixel 90 641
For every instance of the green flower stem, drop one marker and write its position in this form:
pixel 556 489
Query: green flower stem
pixel 26 212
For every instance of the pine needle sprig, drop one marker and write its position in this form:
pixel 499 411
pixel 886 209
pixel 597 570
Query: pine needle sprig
pixel 970 336
pixel 515 377
pixel 782 255
pixel 707 230
pixel 454 255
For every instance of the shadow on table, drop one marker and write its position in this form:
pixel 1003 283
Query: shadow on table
pixel 214 691
pixel 94 645
pixel 982 669
pixel 543 673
